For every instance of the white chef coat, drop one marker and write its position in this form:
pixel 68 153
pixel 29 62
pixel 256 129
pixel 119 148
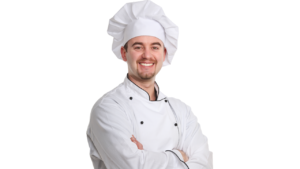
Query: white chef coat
pixel 163 127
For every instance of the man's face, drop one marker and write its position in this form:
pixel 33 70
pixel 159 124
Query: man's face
pixel 145 56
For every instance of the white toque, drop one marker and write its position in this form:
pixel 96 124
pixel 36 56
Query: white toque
pixel 143 18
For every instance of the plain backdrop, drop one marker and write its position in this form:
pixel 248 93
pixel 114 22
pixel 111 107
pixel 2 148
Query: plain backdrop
pixel 237 67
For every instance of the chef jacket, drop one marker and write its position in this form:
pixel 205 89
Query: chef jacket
pixel 163 127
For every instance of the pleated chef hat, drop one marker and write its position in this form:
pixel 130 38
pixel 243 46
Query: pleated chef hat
pixel 143 18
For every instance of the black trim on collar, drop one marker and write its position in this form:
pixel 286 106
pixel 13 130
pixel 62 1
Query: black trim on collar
pixel 178 158
pixel 155 94
pixel 146 91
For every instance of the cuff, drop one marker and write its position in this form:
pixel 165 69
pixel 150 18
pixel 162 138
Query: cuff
pixel 178 154
pixel 176 160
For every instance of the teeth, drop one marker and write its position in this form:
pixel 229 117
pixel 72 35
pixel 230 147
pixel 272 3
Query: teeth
pixel 145 64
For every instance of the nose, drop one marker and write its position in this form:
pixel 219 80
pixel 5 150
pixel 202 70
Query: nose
pixel 147 53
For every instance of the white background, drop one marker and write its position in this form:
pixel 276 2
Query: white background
pixel 237 66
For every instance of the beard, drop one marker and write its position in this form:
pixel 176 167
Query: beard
pixel 146 75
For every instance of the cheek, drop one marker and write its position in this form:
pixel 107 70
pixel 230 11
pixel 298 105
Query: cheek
pixel 132 60
pixel 133 56
pixel 160 57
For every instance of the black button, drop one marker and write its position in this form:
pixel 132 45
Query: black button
pixel 142 122
pixel 130 98
pixel 166 101
pixel 175 124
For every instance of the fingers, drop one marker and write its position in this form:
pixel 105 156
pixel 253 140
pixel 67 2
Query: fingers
pixel 184 155
pixel 133 139
pixel 138 144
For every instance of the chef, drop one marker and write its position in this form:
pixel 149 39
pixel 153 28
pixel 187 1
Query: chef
pixel 136 126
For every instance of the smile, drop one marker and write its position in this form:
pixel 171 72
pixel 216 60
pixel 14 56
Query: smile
pixel 146 64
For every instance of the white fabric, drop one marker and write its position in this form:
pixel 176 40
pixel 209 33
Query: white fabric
pixel 115 118
pixel 144 27
pixel 143 18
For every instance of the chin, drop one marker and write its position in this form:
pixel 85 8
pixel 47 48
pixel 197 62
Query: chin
pixel 146 75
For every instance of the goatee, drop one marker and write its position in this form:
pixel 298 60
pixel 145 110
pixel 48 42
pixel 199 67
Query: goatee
pixel 146 76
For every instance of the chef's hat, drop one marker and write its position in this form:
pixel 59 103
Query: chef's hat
pixel 143 18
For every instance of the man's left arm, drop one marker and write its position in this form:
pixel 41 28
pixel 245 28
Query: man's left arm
pixel 195 144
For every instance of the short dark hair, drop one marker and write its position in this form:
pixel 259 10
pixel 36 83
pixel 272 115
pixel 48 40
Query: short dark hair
pixel 126 46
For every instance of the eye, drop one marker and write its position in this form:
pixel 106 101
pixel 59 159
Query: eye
pixel 155 48
pixel 137 47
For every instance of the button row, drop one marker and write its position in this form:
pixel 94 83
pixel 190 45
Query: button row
pixel 143 123
pixel 131 99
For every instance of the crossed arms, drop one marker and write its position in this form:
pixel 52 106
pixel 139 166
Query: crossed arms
pixel 140 147
pixel 109 132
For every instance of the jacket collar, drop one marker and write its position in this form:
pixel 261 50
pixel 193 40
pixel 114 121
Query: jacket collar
pixel 141 92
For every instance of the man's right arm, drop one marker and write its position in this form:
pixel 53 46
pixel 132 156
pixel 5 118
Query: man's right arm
pixel 110 132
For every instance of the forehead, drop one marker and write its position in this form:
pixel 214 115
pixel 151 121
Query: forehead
pixel 145 40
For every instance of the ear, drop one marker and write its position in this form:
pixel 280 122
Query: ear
pixel 165 52
pixel 123 53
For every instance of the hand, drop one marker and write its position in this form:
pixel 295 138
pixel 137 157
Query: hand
pixel 185 157
pixel 138 144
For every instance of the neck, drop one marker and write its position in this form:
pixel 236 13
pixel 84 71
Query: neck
pixel 147 85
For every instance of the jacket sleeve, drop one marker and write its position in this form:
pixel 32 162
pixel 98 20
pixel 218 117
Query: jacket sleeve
pixel 110 130
pixel 195 144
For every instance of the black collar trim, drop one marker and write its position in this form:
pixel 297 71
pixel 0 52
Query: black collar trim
pixel 147 92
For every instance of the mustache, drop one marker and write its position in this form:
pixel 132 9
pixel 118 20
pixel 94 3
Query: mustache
pixel 147 60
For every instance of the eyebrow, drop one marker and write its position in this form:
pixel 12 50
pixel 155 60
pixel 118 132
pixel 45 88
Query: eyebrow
pixel 137 43
pixel 140 43
pixel 156 43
